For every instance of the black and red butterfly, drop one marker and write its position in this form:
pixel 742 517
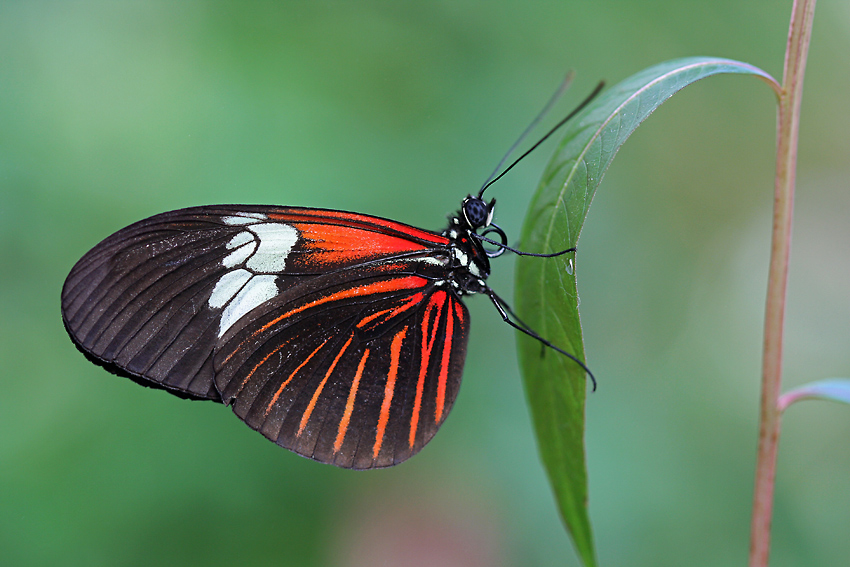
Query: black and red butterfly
pixel 337 335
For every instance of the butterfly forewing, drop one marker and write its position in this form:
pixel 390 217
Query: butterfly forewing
pixel 334 334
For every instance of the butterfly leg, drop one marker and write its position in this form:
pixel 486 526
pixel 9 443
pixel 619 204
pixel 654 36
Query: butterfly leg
pixel 503 309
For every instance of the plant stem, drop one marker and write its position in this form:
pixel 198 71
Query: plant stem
pixel 799 35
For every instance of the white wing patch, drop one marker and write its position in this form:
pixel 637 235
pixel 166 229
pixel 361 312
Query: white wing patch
pixel 240 239
pixel 276 242
pixel 245 218
pixel 244 245
pixel 257 291
pixel 228 286
pixel 259 253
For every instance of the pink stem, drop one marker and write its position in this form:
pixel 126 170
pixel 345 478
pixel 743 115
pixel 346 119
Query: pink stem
pixel 799 35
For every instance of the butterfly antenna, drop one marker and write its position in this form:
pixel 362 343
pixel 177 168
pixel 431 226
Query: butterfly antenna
pixel 562 88
pixel 504 310
pixel 563 121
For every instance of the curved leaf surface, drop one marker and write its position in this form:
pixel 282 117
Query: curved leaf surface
pixel 546 296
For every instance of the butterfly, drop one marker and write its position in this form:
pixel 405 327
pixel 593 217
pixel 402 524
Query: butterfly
pixel 337 335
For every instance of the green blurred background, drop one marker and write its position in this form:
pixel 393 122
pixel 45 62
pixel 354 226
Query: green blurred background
pixel 111 112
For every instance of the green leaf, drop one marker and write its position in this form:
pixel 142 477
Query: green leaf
pixel 834 389
pixel 546 296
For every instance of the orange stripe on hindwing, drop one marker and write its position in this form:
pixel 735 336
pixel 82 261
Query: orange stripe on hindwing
pixel 349 404
pixel 411 302
pixel 311 406
pixel 257 366
pixel 429 327
pixel 382 286
pixel 444 367
pixel 389 389
pixel 291 376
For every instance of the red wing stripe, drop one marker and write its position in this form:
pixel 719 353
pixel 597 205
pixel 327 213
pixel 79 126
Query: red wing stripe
pixel 382 286
pixel 389 389
pixel 370 223
pixel 429 326
pixel 291 376
pixel 337 244
pixel 368 319
pixel 444 366
pixel 312 405
pixel 393 312
pixel 263 361
pixel 349 404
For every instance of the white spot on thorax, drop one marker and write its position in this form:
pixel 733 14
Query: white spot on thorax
pixel 462 257
pixel 431 260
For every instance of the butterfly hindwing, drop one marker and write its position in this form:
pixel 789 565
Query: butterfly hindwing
pixel 360 376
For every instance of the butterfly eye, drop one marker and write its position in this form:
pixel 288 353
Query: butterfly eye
pixel 477 212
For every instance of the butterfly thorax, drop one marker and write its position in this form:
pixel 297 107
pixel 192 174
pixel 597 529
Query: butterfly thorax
pixel 470 265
